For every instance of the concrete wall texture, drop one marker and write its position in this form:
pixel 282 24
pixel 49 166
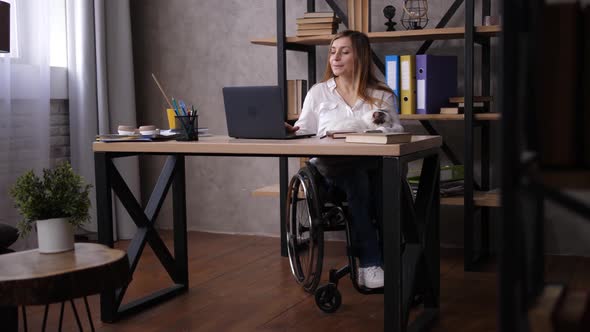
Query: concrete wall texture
pixel 195 48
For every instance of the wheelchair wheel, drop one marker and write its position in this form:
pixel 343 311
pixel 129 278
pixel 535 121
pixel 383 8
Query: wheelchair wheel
pixel 328 298
pixel 305 237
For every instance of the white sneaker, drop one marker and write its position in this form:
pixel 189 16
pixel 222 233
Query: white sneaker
pixel 371 277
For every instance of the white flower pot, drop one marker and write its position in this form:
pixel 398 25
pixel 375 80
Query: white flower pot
pixel 55 235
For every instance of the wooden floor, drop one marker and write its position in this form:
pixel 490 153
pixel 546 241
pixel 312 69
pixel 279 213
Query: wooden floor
pixel 240 283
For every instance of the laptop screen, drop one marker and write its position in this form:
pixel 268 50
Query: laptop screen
pixel 254 112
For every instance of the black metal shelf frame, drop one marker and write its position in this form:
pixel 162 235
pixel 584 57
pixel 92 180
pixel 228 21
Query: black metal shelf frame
pixel 476 239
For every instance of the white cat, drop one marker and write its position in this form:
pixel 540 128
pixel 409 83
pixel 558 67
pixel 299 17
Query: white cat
pixel 374 120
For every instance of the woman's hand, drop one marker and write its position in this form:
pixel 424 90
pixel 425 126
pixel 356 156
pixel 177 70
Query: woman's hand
pixel 291 129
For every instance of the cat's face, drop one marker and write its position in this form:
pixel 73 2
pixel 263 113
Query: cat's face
pixel 378 118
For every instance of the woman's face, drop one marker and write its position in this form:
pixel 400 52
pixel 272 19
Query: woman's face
pixel 342 57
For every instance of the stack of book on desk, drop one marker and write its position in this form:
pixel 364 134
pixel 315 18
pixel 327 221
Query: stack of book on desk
pixel 109 138
pixel 369 136
pixel 317 23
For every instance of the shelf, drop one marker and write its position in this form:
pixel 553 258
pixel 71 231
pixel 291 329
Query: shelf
pixel 389 36
pixel 450 117
pixel 567 179
pixel 490 199
pixel 268 191
pixel 480 198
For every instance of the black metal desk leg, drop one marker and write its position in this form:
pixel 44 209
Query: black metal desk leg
pixel 104 216
pixel 283 184
pixel 179 215
pixel 392 241
pixel 429 202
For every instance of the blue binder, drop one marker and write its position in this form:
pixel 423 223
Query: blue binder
pixel 392 77
pixel 436 81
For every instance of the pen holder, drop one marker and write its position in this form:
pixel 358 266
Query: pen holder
pixel 190 125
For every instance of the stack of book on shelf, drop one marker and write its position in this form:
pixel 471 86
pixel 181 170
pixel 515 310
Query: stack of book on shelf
pixel 296 91
pixel 317 23
pixel 451 181
pixel 479 105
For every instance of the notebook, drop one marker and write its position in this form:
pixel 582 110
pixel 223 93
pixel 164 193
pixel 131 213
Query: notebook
pixel 255 112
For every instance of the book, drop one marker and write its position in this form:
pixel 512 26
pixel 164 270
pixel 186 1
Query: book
pixel 318 14
pixel 452 110
pixel 358 15
pixel 459 110
pixel 313 26
pixel 110 138
pixel 337 134
pixel 481 99
pixel 392 77
pixel 436 81
pixel 315 32
pixel 451 188
pixel 296 91
pixel 379 138
pixel 408 84
pixel 452 172
pixel 317 20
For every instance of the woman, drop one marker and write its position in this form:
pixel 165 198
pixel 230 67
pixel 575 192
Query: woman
pixel 349 90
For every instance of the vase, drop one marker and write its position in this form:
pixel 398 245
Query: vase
pixel 55 235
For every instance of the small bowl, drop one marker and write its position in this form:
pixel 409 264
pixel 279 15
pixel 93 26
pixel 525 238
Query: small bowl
pixel 148 130
pixel 126 130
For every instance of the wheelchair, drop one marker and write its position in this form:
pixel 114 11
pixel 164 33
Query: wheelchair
pixel 314 208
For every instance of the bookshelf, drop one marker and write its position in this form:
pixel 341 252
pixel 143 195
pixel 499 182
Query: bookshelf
pixel 479 195
pixel 391 36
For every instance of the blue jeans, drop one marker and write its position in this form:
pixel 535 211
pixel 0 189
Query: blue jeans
pixel 360 188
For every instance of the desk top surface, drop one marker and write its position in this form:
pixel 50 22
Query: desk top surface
pixel 295 147
pixel 30 277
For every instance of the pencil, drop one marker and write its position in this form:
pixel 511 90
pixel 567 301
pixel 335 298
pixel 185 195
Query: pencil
pixel 162 90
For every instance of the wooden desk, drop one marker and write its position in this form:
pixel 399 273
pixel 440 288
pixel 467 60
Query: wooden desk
pixel 425 211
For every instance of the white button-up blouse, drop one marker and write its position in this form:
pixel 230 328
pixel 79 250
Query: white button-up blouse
pixel 324 104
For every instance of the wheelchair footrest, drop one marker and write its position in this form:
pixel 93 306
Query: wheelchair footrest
pixel 336 275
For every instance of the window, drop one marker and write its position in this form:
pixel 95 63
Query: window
pixel 58 56
pixel 21 15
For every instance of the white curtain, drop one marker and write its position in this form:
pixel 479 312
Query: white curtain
pixel 24 101
pixel 101 90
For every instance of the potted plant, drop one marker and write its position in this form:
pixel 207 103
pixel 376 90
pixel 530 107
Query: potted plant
pixel 57 202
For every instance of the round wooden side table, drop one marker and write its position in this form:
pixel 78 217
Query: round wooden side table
pixel 33 278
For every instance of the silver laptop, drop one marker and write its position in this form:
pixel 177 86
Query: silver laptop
pixel 255 112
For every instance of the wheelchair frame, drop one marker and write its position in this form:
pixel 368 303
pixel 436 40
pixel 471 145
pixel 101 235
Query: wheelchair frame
pixel 327 215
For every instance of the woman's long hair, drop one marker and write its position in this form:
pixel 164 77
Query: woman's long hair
pixel 363 76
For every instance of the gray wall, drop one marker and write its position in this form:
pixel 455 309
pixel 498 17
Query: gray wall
pixel 197 47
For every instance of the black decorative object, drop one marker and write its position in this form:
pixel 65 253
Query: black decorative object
pixel 415 15
pixel 389 13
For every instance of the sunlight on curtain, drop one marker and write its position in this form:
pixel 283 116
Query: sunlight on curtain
pixel 24 99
